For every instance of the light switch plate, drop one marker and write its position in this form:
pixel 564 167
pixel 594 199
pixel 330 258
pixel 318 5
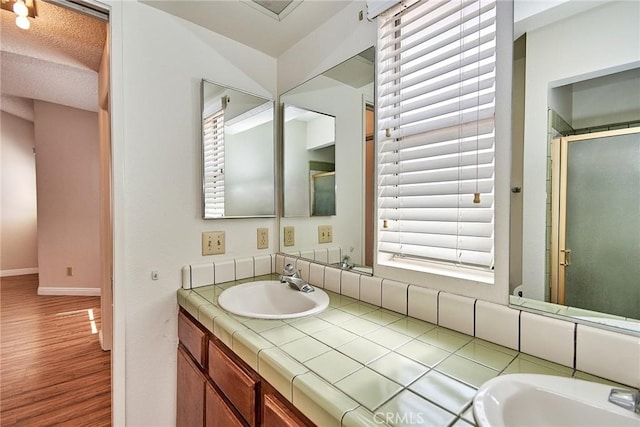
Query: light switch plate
pixel 263 238
pixel 289 236
pixel 325 234
pixel 212 242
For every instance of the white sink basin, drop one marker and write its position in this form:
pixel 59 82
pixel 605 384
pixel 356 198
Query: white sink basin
pixel 547 400
pixel 270 299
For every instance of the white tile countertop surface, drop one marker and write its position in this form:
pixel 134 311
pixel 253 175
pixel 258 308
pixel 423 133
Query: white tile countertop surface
pixel 358 364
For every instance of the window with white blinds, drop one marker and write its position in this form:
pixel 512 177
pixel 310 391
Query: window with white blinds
pixel 435 109
pixel 213 182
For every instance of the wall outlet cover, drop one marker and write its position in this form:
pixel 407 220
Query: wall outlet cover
pixel 263 238
pixel 289 236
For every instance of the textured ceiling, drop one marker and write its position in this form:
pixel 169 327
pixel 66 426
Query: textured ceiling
pixel 56 60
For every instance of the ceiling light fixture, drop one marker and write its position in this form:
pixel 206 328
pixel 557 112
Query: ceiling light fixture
pixel 24 9
pixel 23 22
pixel 20 8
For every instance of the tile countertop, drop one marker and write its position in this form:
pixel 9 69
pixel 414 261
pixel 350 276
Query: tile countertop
pixel 357 364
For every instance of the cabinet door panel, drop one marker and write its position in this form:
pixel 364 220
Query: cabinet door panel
pixel 234 382
pixel 190 392
pixel 276 414
pixel 193 338
pixel 218 414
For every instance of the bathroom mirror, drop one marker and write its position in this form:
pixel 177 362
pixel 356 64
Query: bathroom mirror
pixel 310 163
pixel 330 109
pixel 579 65
pixel 238 155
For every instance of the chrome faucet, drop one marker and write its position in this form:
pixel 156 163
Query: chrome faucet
pixel 294 280
pixel 626 399
pixel 345 264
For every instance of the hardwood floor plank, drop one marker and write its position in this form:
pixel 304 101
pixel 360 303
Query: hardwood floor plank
pixel 52 370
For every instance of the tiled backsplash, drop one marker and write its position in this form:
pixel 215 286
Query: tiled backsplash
pixel 599 352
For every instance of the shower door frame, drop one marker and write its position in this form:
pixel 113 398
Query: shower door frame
pixel 560 254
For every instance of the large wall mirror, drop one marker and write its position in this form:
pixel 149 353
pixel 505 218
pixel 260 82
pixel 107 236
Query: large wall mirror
pixel 325 147
pixel 576 183
pixel 238 153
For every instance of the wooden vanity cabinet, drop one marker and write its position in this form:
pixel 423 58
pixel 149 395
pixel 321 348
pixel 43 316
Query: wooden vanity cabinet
pixel 218 389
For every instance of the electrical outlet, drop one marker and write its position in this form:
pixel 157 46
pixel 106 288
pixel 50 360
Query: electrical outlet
pixel 212 242
pixel 325 234
pixel 69 271
pixel 263 238
pixel 289 236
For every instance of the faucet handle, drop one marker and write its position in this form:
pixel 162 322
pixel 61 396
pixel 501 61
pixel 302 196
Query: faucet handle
pixel 288 269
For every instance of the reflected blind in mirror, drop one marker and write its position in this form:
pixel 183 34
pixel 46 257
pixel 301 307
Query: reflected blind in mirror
pixel 213 182
pixel 436 102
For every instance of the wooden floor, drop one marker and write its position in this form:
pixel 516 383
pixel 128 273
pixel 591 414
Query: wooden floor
pixel 52 370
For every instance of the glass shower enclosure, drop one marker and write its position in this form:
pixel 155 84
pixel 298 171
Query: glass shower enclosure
pixel 595 251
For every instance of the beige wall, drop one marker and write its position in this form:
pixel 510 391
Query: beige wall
pixel 18 252
pixel 68 167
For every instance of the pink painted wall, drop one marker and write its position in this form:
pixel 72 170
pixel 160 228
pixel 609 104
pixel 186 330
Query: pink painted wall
pixel 68 176
pixel 18 220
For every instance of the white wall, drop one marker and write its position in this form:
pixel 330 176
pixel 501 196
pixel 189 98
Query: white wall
pixel 600 41
pixel 157 63
pixel 68 176
pixel 606 100
pixel 18 236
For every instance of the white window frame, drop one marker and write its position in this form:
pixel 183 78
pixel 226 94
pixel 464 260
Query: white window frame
pixel 386 257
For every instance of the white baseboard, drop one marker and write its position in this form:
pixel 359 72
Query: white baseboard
pixel 85 292
pixel 18 272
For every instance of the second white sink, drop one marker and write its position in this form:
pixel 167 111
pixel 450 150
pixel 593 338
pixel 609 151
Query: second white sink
pixel 547 400
pixel 270 299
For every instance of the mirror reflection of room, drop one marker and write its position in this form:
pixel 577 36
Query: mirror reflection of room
pixel 324 178
pixel 309 183
pixel 238 176
pixel 572 81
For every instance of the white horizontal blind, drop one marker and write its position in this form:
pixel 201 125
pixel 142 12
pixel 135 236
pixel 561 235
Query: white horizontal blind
pixel 436 102
pixel 213 136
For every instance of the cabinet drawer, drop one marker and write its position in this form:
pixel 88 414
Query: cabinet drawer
pixel 239 387
pixel 218 413
pixel 193 338
pixel 276 414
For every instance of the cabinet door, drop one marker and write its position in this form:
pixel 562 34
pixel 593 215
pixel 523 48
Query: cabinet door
pixel 276 414
pixel 239 386
pixel 218 413
pixel 191 385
